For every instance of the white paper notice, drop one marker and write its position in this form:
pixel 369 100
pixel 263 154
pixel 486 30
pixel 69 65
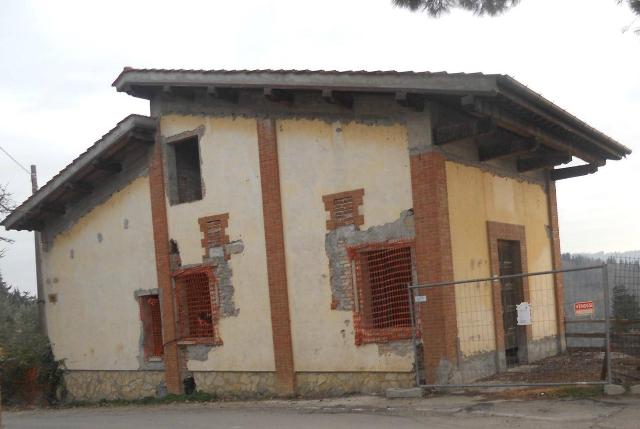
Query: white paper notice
pixel 524 313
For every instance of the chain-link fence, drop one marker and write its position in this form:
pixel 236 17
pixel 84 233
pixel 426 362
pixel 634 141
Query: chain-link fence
pixel 624 283
pixel 508 331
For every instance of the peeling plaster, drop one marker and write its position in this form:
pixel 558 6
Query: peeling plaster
pixel 339 240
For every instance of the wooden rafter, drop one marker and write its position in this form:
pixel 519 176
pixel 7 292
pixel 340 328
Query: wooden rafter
pixel 569 172
pixel 463 131
pixel 343 99
pixel 542 161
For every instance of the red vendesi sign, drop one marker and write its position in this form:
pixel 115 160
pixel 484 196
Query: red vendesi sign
pixel 583 308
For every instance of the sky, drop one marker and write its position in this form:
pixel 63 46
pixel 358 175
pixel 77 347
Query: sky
pixel 58 60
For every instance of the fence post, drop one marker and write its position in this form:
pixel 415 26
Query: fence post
pixel 414 335
pixel 607 303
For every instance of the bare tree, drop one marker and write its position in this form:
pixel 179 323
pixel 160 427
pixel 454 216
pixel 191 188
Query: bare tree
pixel 478 7
pixel 6 206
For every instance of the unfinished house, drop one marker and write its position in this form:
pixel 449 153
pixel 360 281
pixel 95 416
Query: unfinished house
pixel 258 231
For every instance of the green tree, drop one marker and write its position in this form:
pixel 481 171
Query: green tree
pixel 478 7
pixel 29 373
pixel 624 307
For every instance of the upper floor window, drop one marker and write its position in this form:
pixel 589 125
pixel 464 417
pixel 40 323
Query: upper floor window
pixel 185 180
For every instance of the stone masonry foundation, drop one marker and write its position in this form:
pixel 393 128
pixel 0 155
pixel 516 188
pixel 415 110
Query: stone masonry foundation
pixel 96 385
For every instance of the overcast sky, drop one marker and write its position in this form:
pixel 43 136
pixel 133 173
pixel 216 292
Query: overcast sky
pixel 58 59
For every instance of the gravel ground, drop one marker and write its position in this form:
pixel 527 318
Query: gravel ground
pixel 449 412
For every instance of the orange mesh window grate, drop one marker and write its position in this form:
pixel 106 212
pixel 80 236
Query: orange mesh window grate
pixel 197 306
pixel 152 326
pixel 383 274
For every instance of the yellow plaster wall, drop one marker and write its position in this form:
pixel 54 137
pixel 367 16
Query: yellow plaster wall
pixel 475 197
pixel 231 176
pixel 318 158
pixel 96 322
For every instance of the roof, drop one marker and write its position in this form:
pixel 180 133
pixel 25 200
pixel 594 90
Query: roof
pixel 82 171
pixel 500 89
pixel 504 100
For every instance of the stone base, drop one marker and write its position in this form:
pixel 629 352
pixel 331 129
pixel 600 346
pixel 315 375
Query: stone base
pixel 100 385
pixel 313 384
pixel 230 384
pixel 94 386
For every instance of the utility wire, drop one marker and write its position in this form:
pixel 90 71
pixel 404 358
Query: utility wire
pixel 15 160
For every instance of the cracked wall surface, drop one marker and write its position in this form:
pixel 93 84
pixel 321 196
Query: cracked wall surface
pixel 229 166
pixel 346 156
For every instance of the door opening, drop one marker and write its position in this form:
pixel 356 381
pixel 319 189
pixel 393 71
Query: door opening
pixel 512 293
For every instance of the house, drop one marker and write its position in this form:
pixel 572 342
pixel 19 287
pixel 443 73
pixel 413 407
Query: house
pixel 258 231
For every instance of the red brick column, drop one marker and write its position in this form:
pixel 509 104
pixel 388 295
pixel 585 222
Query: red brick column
pixel 276 261
pixel 434 261
pixel 163 270
pixel 556 262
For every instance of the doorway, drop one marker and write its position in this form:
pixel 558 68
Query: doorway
pixel 512 294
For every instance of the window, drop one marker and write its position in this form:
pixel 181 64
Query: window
pixel 383 274
pixel 187 184
pixel 197 303
pixel 151 327
pixel 343 208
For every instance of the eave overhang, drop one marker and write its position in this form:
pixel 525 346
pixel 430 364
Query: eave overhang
pixel 77 180
pixel 498 97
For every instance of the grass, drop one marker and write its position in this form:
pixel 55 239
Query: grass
pixel 576 392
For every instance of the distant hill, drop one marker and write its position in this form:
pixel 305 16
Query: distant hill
pixel 606 255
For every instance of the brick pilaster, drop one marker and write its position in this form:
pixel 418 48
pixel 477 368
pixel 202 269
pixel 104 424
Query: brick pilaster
pixel 276 260
pixel 163 270
pixel 434 260
pixel 556 263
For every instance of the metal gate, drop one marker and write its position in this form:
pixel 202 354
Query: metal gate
pixel 508 331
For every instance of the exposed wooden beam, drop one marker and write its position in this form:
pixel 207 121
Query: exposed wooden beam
pixel 279 96
pixel 58 209
pixel 462 131
pixel 513 97
pixel 340 98
pixel 137 136
pixel 411 101
pixel 111 166
pixel 79 187
pixel 507 149
pixel 542 161
pixel 569 172
pixel 510 122
pixel 226 94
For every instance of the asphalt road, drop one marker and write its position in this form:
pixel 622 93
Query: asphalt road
pixel 357 412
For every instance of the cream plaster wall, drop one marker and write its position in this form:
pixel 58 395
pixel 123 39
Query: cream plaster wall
pixel 318 158
pixel 475 197
pixel 231 176
pixel 95 323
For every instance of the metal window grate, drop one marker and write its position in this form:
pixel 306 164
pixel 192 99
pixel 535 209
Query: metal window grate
pixel 383 275
pixel 197 304
pixel 152 326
